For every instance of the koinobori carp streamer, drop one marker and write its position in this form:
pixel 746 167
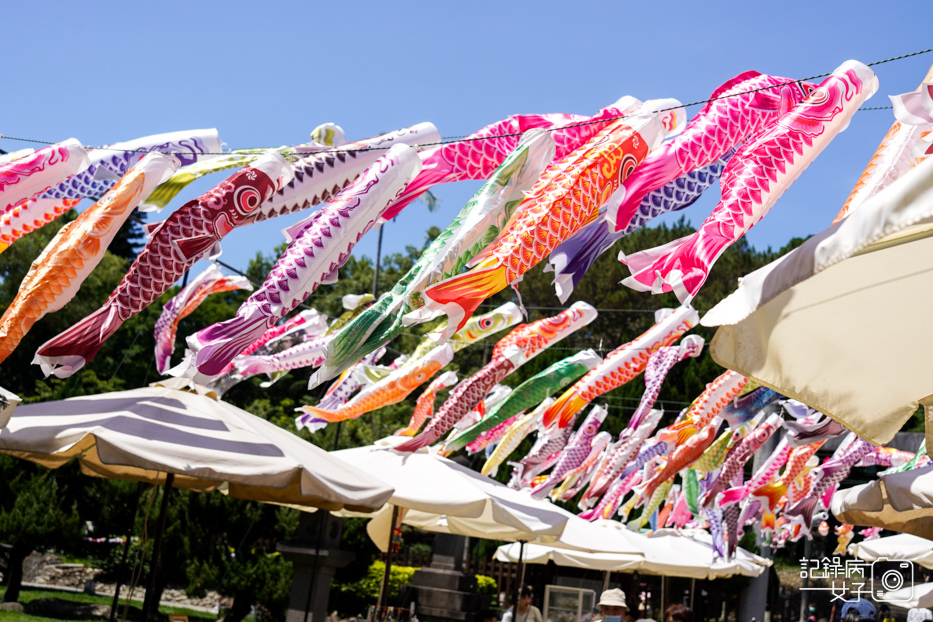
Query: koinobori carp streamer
pixel 57 274
pixel 189 234
pixel 313 258
pixel 755 178
pixel 564 199
pixel 183 304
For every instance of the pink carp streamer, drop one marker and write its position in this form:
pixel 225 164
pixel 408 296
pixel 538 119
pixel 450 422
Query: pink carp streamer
pixel 738 456
pixel 26 177
pixel 491 436
pixel 211 281
pixel 478 155
pixel 312 322
pixel 288 334
pixel 308 323
pixel 27 216
pixel 22 179
pixel 57 274
pixel 825 479
pixel 188 235
pixel 580 476
pixel 313 258
pixel 543 455
pixel 738 109
pixel 753 181
pixel 309 352
pixel 762 476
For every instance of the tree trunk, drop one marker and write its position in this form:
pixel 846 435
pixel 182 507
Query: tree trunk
pixel 15 581
pixel 157 597
pixel 238 610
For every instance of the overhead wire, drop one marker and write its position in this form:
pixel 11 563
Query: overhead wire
pixel 469 138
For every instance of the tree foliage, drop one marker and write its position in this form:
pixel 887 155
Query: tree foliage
pixel 34 508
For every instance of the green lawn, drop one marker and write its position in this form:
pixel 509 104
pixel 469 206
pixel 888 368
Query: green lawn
pixel 28 595
pixel 12 616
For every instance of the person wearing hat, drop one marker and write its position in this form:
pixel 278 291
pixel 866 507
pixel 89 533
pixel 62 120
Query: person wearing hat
pixel 860 607
pixel 612 605
pixel 526 611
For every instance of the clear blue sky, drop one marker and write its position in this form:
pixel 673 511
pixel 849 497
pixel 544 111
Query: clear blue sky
pixel 266 73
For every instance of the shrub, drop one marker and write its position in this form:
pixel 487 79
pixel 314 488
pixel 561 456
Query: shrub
pixel 487 586
pixel 366 591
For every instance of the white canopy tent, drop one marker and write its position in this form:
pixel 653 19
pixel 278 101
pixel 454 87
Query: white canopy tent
pixel 146 434
pixel 442 496
pixel 841 322
pixel 911 596
pixel 667 552
pixel 897 501
pixel 181 435
pixel 902 546
pixel 435 494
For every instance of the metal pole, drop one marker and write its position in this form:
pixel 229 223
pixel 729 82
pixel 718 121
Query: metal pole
pixel 317 555
pixel 606 579
pixel 384 590
pixel 804 583
pixel 378 257
pixel 516 587
pixel 753 601
pixel 663 593
pixel 157 546
pixel 126 552
pixel 693 589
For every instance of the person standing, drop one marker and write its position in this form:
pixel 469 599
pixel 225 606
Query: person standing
pixel 526 611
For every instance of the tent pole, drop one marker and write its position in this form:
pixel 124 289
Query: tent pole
pixel 693 589
pixel 524 566
pixel 384 590
pixel 126 553
pixel 516 587
pixel 663 594
pixel 317 555
pixel 157 547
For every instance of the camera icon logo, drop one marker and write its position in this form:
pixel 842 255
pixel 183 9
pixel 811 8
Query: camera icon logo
pixel 892 580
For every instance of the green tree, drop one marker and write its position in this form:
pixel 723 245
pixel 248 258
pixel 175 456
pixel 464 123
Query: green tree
pixel 33 515
pixel 230 546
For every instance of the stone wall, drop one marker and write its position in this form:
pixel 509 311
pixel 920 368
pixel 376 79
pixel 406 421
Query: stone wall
pixel 46 569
